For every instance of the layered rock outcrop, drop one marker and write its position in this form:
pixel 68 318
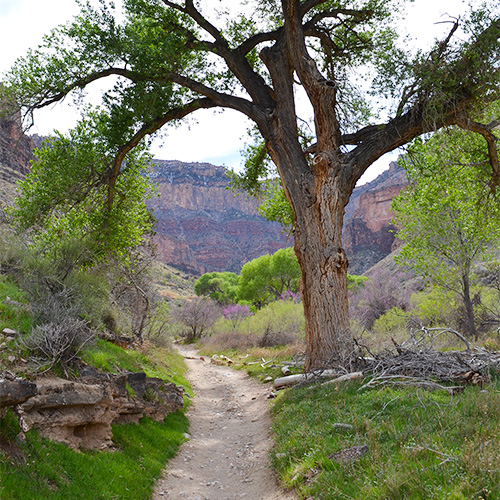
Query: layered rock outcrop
pixel 368 235
pixel 80 413
pixel 202 225
pixel 16 152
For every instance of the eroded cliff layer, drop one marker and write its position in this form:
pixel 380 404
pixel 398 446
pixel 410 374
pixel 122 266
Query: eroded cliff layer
pixel 202 225
pixel 368 234
pixel 16 152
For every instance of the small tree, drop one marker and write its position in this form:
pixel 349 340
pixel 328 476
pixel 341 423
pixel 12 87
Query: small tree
pixel 197 315
pixel 448 216
pixel 219 286
pixel 266 278
pixel 236 313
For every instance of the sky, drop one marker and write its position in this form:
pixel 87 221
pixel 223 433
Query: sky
pixel 214 137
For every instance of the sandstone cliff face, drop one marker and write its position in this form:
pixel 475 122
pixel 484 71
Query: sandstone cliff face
pixel 16 151
pixel 367 236
pixel 202 226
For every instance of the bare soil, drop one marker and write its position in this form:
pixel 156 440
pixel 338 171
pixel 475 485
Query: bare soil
pixel 227 455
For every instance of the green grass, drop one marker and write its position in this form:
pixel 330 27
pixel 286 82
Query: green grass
pixel 39 469
pixel 156 362
pixel 13 316
pixel 422 445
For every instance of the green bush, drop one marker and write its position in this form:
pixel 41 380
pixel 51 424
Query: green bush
pixel 280 316
pixel 434 307
pixel 395 319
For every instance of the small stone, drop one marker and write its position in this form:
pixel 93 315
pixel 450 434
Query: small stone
pixel 187 436
pixel 267 379
pixel 11 359
pixel 343 427
pixel 9 331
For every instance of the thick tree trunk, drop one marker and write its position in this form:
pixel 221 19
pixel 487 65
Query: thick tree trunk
pixel 324 277
pixel 318 193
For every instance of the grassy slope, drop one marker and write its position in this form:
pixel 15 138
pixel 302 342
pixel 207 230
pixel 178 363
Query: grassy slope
pixel 35 468
pixel 422 445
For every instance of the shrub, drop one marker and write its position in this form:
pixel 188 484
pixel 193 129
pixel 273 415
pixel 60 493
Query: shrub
pixel 232 340
pixel 279 323
pixel 57 343
pixel 435 307
pixel 382 292
pixel 235 313
pixel 159 325
pixel 275 338
pixel 395 319
pixel 197 316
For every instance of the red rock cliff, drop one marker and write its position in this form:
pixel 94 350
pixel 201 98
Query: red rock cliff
pixel 367 236
pixel 202 226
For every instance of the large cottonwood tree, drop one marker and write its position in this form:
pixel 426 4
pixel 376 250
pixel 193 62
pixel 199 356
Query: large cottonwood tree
pixel 174 57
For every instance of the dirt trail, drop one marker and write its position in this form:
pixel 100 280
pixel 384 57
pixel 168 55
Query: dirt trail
pixel 227 455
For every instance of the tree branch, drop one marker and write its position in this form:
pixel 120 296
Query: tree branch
pixel 487 132
pixel 111 176
pixel 224 100
pixel 321 92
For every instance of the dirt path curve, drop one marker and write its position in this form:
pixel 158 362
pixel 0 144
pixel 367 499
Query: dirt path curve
pixel 227 455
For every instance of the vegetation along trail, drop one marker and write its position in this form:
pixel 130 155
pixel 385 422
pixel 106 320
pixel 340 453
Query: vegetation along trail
pixel 227 456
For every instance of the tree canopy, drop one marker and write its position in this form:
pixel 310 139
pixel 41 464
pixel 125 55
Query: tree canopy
pixel 268 277
pixel 449 215
pixel 368 93
pixel 64 195
pixel 219 286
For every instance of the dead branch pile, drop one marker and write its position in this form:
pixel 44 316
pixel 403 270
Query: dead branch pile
pixel 416 362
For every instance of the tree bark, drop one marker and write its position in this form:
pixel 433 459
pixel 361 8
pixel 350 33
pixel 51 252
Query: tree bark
pixel 470 320
pixel 324 264
pixel 318 201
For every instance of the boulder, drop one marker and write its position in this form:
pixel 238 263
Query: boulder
pixel 74 413
pixel 14 390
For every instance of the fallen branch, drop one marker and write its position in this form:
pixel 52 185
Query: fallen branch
pixel 344 378
pixel 402 380
pixel 307 378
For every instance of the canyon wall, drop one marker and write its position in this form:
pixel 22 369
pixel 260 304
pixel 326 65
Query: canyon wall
pixel 367 234
pixel 16 152
pixel 202 226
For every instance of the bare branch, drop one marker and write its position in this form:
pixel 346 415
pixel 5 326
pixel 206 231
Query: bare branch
pixel 487 132
pixel 148 128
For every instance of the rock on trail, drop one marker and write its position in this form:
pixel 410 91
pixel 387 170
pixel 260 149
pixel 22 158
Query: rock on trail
pixel 226 456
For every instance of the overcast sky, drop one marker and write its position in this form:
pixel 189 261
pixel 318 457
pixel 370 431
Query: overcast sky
pixel 216 137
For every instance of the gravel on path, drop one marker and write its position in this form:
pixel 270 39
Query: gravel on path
pixel 227 455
